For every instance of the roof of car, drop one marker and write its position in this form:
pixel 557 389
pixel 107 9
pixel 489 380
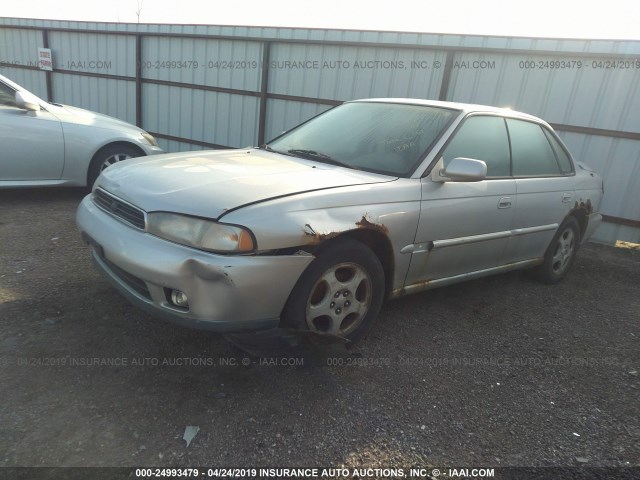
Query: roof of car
pixel 464 107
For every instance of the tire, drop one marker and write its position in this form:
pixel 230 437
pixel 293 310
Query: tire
pixel 107 156
pixel 561 252
pixel 340 293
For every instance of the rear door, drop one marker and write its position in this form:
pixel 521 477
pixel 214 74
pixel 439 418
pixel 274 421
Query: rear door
pixel 544 179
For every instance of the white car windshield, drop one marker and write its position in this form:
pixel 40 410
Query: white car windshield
pixel 388 138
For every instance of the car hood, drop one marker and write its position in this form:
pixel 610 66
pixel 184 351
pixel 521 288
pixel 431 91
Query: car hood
pixel 79 116
pixel 208 184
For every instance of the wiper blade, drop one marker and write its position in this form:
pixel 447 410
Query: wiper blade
pixel 309 153
pixel 318 156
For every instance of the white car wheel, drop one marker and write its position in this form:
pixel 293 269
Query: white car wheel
pixel 107 156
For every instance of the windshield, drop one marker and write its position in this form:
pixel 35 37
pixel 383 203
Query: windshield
pixel 387 138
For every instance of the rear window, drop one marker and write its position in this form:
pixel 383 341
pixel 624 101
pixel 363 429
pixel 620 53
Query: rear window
pixel 561 154
pixel 531 151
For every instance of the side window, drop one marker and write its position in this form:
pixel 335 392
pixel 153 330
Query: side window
pixel 531 151
pixel 7 95
pixel 561 153
pixel 482 138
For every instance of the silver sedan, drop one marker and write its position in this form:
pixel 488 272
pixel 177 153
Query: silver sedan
pixel 371 200
pixel 48 144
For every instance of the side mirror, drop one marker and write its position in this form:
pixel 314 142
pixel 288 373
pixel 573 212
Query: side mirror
pixel 465 170
pixel 27 101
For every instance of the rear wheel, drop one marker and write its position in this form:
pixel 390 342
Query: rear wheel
pixel 108 156
pixel 340 293
pixel 561 252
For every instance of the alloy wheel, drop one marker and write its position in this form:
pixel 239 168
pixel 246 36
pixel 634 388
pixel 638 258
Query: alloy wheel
pixel 339 300
pixel 565 248
pixel 115 158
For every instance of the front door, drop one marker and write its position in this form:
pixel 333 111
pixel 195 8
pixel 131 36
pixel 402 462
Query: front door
pixel 32 142
pixel 464 227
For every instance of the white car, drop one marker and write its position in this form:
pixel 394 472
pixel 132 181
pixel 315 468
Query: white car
pixel 48 144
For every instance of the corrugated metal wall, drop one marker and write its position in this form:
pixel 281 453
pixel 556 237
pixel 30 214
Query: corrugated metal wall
pixel 206 86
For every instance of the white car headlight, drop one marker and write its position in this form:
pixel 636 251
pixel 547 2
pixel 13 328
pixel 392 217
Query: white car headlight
pixel 199 233
pixel 150 139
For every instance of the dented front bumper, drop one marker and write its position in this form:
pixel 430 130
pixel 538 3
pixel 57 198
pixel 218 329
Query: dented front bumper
pixel 225 293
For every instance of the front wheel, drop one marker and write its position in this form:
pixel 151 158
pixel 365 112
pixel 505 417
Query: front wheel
pixel 106 157
pixel 561 252
pixel 340 293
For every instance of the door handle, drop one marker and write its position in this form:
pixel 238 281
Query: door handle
pixel 566 197
pixel 504 202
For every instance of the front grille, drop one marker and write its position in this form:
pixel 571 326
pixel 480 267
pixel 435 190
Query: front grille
pixel 134 282
pixel 119 209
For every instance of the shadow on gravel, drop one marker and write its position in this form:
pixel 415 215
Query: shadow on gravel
pixel 312 347
pixel 13 196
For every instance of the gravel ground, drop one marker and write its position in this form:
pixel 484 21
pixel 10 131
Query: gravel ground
pixel 496 372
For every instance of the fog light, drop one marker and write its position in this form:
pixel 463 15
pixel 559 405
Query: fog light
pixel 179 298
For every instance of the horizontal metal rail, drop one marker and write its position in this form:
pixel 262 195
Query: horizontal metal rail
pixel 344 43
pixel 265 95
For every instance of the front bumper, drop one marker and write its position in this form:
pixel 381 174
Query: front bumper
pixel 226 293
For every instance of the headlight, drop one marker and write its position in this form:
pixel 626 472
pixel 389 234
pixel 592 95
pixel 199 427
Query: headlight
pixel 149 138
pixel 199 233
